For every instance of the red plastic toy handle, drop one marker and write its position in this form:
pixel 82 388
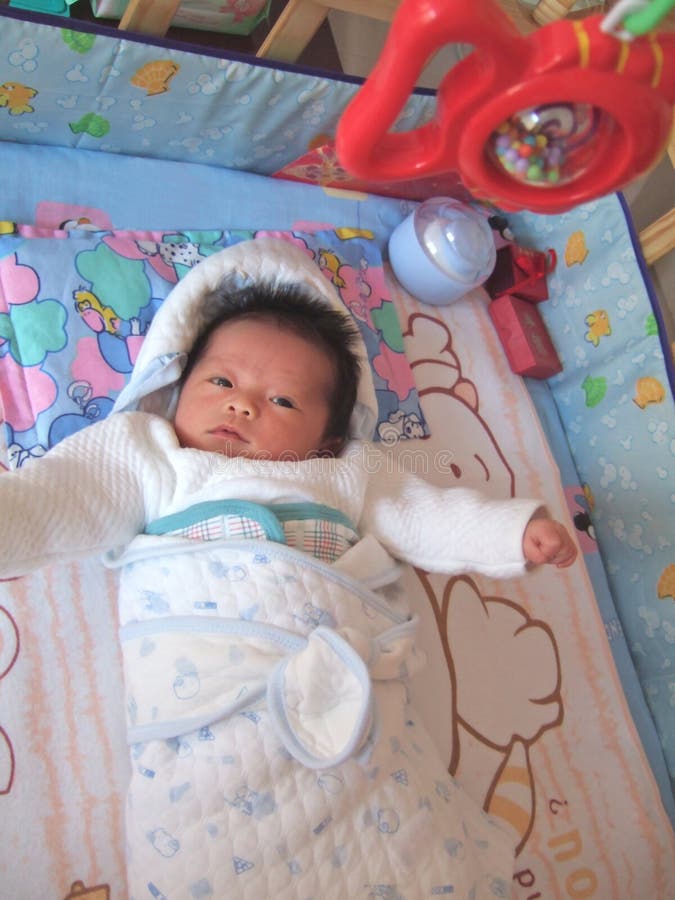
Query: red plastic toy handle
pixel 569 65
pixel 420 28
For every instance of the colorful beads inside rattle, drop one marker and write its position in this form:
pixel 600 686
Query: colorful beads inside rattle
pixel 545 146
pixel 527 156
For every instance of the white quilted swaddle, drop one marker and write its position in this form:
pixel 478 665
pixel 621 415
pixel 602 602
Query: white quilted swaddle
pixel 276 758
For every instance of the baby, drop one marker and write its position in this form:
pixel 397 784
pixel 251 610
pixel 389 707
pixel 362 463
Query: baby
pixel 262 631
pixel 246 392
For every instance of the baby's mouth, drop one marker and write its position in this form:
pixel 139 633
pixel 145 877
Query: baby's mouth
pixel 228 434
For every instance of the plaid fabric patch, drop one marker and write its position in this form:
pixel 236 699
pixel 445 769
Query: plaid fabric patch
pixel 321 538
pixel 218 527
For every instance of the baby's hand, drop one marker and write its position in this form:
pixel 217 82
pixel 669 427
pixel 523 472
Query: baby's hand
pixel 548 541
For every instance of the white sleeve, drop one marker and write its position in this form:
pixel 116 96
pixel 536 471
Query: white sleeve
pixel 451 530
pixel 85 495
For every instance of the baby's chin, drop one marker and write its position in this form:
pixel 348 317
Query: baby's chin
pixel 239 449
pixel 288 456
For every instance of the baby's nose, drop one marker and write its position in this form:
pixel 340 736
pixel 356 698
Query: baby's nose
pixel 242 406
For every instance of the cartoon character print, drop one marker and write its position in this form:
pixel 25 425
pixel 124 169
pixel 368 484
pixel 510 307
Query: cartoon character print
pixel 491 726
pixel 115 305
pixel 94 314
pixel 179 253
pixel 104 321
pixel 164 842
pixel 598 326
pixel 91 409
pixel 251 802
pixel 52 215
pixel 81 223
pixel 400 426
pixel 665 586
pixel 360 289
pixel 24 347
pixel 648 391
pixel 118 305
pixel 9 652
pixel 80 891
pixel 15 97
pixel 501 230
pixel 118 340
pixel 165 253
pixel 576 250
pixel 92 124
pixel 581 506
pixel 330 265
pixel 365 293
pixel 153 77
pixel 521 644
pixel 17 455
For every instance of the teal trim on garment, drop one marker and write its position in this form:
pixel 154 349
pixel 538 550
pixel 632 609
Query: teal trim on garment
pixel 301 511
pixel 209 509
pixel 268 517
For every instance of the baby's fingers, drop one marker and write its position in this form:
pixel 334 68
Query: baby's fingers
pixel 565 557
pixel 549 543
pixel 562 550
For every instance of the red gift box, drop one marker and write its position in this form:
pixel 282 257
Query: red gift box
pixel 320 165
pixel 527 344
pixel 522 273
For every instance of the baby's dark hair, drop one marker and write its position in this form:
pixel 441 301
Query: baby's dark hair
pixel 294 308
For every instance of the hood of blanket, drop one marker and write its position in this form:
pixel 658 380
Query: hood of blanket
pixel 154 383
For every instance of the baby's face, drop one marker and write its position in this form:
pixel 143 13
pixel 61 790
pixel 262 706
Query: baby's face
pixel 258 391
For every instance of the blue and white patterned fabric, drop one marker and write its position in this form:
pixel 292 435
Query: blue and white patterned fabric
pixel 289 673
pixel 615 401
pixel 124 95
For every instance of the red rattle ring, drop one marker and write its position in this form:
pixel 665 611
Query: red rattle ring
pixel 542 122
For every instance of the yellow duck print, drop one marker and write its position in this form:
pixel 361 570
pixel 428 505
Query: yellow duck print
pixel 648 390
pixel 346 234
pixel 598 326
pixel 97 316
pixel 330 262
pixel 588 496
pixel 665 586
pixel 154 76
pixel 576 250
pixel 15 97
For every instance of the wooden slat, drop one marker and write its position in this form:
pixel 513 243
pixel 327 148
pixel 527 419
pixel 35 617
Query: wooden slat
pixel 658 238
pixel 520 15
pixel 149 16
pixel 374 9
pixel 551 10
pixel 293 30
pixel 301 19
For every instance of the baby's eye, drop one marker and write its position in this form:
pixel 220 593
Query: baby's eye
pixel 222 382
pixel 283 401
